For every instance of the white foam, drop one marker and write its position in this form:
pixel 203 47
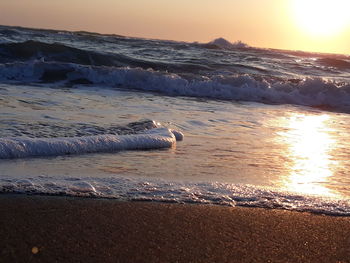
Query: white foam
pixel 138 189
pixel 19 147
pixel 83 187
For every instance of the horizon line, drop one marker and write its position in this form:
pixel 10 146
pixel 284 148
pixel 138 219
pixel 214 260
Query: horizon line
pixel 183 41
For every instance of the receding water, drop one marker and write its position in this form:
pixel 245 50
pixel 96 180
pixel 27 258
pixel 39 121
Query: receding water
pixel 286 147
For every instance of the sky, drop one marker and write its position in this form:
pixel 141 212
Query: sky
pixel 310 25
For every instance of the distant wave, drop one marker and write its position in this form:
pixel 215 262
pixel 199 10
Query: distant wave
pixel 20 147
pixel 56 52
pixel 335 62
pixel 225 44
pixel 314 92
pixel 9 32
pixel 30 50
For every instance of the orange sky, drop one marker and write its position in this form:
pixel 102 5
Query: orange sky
pixel 260 23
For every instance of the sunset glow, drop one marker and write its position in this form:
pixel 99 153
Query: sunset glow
pixel 309 25
pixel 321 17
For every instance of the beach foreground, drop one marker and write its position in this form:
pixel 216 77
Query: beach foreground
pixel 64 229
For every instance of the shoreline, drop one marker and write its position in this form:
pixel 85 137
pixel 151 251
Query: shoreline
pixel 69 229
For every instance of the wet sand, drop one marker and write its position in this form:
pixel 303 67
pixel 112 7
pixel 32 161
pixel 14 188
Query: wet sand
pixel 63 229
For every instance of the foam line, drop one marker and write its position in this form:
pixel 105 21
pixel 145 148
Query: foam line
pixel 30 147
pixel 158 190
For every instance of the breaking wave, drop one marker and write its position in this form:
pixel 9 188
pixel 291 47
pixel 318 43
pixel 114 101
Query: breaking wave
pixel 225 44
pixel 315 92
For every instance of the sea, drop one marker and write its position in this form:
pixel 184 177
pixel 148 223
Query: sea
pixel 218 123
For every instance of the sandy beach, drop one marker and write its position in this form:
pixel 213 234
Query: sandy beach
pixel 64 229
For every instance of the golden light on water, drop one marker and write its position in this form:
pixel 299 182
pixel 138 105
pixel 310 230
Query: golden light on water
pixel 309 143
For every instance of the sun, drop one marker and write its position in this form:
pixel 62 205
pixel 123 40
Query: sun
pixel 321 17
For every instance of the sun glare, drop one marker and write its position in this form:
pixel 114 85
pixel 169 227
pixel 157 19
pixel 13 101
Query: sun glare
pixel 310 145
pixel 321 17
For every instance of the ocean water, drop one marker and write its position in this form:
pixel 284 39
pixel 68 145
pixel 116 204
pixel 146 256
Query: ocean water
pixel 85 114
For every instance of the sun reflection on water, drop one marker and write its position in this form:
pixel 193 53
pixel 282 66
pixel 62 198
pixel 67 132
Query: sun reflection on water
pixel 310 143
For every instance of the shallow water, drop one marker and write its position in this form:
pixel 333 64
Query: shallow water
pixel 235 152
pixel 286 147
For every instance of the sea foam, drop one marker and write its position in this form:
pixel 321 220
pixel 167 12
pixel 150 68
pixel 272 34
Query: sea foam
pixel 158 190
pixel 19 147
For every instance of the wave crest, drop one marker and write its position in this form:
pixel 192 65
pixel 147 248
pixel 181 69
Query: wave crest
pixel 315 92
pixel 225 44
